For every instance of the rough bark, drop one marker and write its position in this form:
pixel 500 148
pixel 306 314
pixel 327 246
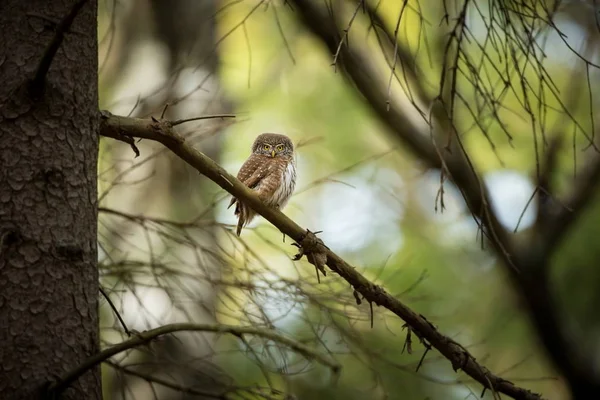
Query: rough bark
pixel 48 213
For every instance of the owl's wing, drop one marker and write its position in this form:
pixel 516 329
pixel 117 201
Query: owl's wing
pixel 251 173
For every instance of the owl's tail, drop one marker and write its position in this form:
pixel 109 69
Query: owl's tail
pixel 245 215
pixel 240 225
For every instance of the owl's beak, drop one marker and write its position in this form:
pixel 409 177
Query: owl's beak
pixel 272 153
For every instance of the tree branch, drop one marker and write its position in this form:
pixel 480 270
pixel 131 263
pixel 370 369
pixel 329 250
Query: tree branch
pixel 223 395
pixel 114 309
pixel 450 157
pixel 561 218
pixel 37 83
pixel 161 131
pixel 171 385
pixel 147 336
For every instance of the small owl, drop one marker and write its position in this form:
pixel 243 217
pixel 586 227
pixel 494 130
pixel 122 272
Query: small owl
pixel 270 171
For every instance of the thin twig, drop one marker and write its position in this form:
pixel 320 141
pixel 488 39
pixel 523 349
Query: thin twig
pixel 183 121
pixel 112 305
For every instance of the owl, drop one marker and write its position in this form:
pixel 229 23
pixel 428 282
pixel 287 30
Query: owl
pixel 270 171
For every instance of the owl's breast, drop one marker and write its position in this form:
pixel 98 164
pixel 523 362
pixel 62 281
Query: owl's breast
pixel 286 188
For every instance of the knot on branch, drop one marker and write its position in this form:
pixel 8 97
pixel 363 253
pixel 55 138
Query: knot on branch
pixel 461 357
pixel 315 251
pixel 164 128
pixel 119 134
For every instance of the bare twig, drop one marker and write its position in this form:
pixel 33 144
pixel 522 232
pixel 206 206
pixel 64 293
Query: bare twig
pixel 183 121
pixel 561 218
pixel 112 305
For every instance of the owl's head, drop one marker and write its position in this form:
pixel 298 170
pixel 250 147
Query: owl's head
pixel 273 145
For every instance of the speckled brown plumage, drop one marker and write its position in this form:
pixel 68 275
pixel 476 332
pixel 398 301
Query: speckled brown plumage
pixel 270 171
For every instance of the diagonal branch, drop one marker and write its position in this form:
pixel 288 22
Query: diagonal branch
pixel 161 131
pixel 39 79
pixel 360 69
pixel 146 337
pixel 563 214
pixel 437 152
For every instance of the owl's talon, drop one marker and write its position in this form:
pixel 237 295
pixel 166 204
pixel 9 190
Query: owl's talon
pixel 309 247
pixel 300 252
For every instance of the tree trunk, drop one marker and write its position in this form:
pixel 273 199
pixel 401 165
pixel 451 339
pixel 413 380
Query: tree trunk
pixel 48 195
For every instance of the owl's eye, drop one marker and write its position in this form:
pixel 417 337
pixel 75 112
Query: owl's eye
pixel 267 147
pixel 279 147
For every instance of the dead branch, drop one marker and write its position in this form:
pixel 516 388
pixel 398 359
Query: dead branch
pixel 146 337
pixel 224 394
pixel 115 311
pixel 183 121
pixel 560 219
pixel 161 131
